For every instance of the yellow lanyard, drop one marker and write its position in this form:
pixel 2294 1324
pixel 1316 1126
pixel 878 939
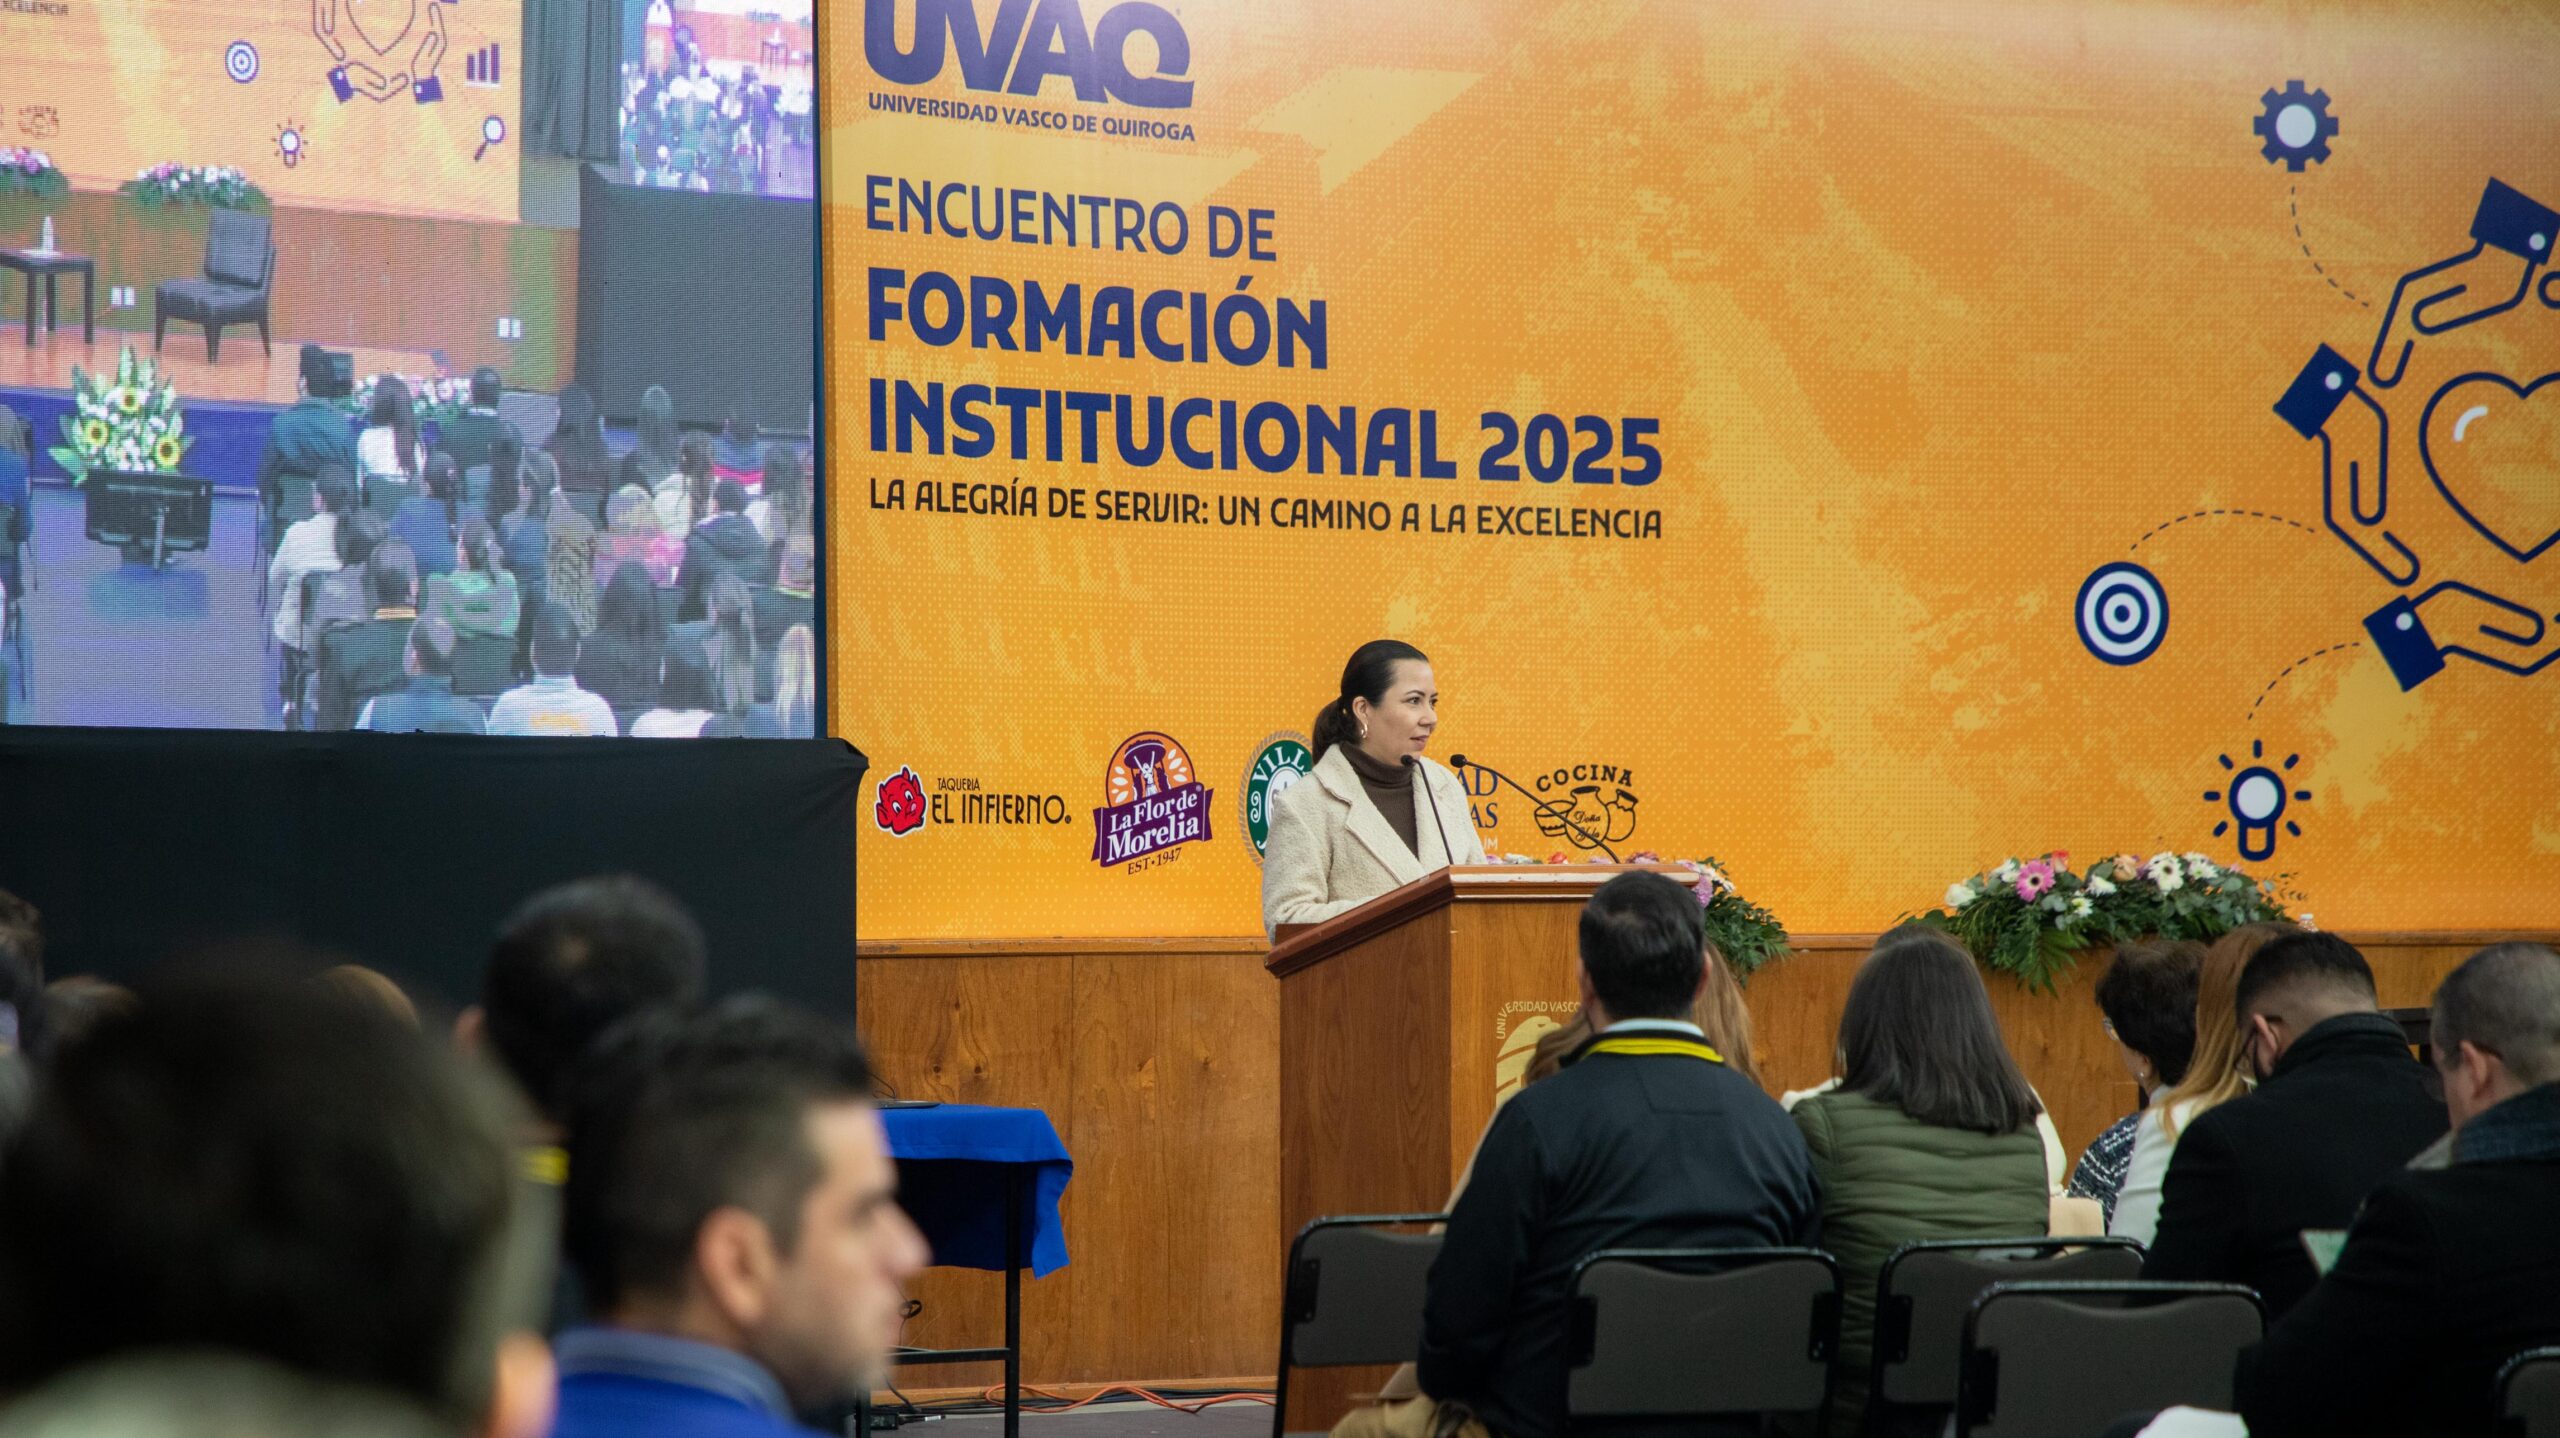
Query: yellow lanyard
pixel 1665 1045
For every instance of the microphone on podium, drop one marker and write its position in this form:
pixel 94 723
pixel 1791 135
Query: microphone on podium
pixel 1422 781
pixel 1563 816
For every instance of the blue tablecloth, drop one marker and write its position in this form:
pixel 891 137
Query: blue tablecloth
pixel 954 1162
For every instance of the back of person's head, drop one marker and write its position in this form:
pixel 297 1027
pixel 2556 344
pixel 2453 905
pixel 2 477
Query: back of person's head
pixel 1918 1033
pixel 431 642
pixel 369 988
pixel 795 681
pixel 443 480
pixel 318 375
pixel 506 477
pixel 204 1394
pixel 786 488
pixel 575 960
pixel 731 496
pixel 391 402
pixel 2216 1073
pixel 2496 1028
pixel 75 1004
pixel 2149 997
pixel 578 420
pixel 732 648
pixel 628 607
pixel 336 489
pixel 1721 1015
pixel 394 574
pixel 246 1161
pixel 693 459
pixel 630 474
pixel 2304 978
pixel 487 388
pixel 729 1161
pixel 741 427
pixel 357 535
pixel 555 642
pixel 541 480
pixel 656 426
pixel 480 551
pixel 1643 942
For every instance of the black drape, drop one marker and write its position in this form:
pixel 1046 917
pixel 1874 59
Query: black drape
pixel 405 851
pixel 573 78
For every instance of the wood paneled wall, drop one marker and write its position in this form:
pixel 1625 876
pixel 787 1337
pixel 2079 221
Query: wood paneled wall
pixel 1159 1062
pixel 342 279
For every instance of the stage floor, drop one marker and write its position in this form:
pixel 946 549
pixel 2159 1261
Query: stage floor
pixel 118 643
pixel 245 376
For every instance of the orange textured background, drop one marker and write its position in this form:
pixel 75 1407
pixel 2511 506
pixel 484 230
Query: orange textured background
pixel 1941 305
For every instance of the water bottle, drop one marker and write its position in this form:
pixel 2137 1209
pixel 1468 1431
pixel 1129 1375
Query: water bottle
pixel 47 246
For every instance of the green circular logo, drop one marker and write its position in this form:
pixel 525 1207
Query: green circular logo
pixel 1278 762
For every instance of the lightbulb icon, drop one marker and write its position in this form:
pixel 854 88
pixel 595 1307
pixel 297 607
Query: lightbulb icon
pixel 2257 798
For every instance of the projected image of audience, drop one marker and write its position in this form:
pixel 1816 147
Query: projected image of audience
pixel 345 396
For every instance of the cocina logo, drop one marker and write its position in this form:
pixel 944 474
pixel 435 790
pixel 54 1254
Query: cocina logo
pixel 1029 41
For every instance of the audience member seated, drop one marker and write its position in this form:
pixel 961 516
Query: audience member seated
pixel 655 439
pixel 686 706
pixel 793 714
pixel 251 1164
pixel 624 660
pixel 370 988
pixel 738 453
pixel 723 544
pixel 2148 1000
pixel 1930 1134
pixel 389 448
pixel 577 444
pixel 525 534
pixel 633 536
pixel 781 509
pixel 683 494
pixel 467 436
pixel 309 547
pixel 77 1003
pixel 309 437
pixel 16 465
pixel 793 599
pixel 725 638
pixel 427 703
pixel 569 568
pixel 213 1395
pixel 360 661
pixel 2216 1074
pixel 345 595
pixel 553 704
pixel 2341 1105
pixel 2447 1273
pixel 501 494
pixel 570 963
pixel 479 596
pixel 430 523
pixel 1646 1139
pixel 732 1207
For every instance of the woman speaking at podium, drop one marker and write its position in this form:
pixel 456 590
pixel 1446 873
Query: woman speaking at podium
pixel 1375 814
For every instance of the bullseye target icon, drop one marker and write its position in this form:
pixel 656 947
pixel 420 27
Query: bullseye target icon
pixel 2123 613
pixel 240 62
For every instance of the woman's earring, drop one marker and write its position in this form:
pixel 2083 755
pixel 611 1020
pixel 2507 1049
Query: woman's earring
pixel 1364 731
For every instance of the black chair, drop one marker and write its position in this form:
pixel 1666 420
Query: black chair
pixel 1700 1332
pixel 238 280
pixel 1353 1296
pixel 1924 1291
pixel 296 498
pixel 383 496
pixel 2529 1394
pixel 484 664
pixel 2056 1360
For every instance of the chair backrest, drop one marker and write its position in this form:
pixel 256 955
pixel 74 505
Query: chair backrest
pixel 2062 1358
pixel 1924 1291
pixel 236 250
pixel 1688 1332
pixel 383 496
pixel 484 664
pixel 2529 1394
pixel 1355 1289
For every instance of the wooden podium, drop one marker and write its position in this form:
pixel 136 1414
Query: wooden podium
pixel 1400 1023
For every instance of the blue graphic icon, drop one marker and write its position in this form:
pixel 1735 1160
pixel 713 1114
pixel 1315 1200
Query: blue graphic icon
pixel 2313 405
pixel 493 131
pixel 2122 613
pixel 480 68
pixel 2257 798
pixel 340 86
pixel 240 61
pixel 2296 125
pixel 2507 221
pixel 428 90
pixel 289 144
pixel 2522 524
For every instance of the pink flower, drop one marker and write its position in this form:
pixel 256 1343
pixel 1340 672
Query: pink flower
pixel 2035 880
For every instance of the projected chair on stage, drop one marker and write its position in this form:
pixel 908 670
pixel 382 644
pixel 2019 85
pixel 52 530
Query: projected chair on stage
pixel 239 278
pixel 149 514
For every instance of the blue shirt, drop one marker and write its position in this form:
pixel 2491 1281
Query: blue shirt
pixel 617 1383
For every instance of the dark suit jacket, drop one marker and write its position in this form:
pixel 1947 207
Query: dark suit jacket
pixel 468 435
pixel 724 543
pixel 2446 1275
pixel 1616 1151
pixel 2347 1107
pixel 357 662
pixel 302 439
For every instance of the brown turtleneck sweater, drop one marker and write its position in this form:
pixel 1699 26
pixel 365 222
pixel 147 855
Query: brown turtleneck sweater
pixel 1390 787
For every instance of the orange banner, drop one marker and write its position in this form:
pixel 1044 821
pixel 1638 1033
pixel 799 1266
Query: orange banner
pixel 1855 440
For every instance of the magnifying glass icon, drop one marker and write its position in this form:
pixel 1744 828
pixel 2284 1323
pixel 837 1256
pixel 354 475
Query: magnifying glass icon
pixel 492 131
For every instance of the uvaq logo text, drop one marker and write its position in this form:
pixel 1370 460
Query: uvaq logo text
pixel 1028 42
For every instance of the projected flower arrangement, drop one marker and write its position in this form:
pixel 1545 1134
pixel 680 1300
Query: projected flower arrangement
pixel 30 172
pixel 131 422
pixel 218 186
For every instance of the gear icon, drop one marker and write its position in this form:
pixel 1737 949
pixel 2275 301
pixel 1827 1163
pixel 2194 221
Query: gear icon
pixel 2296 125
